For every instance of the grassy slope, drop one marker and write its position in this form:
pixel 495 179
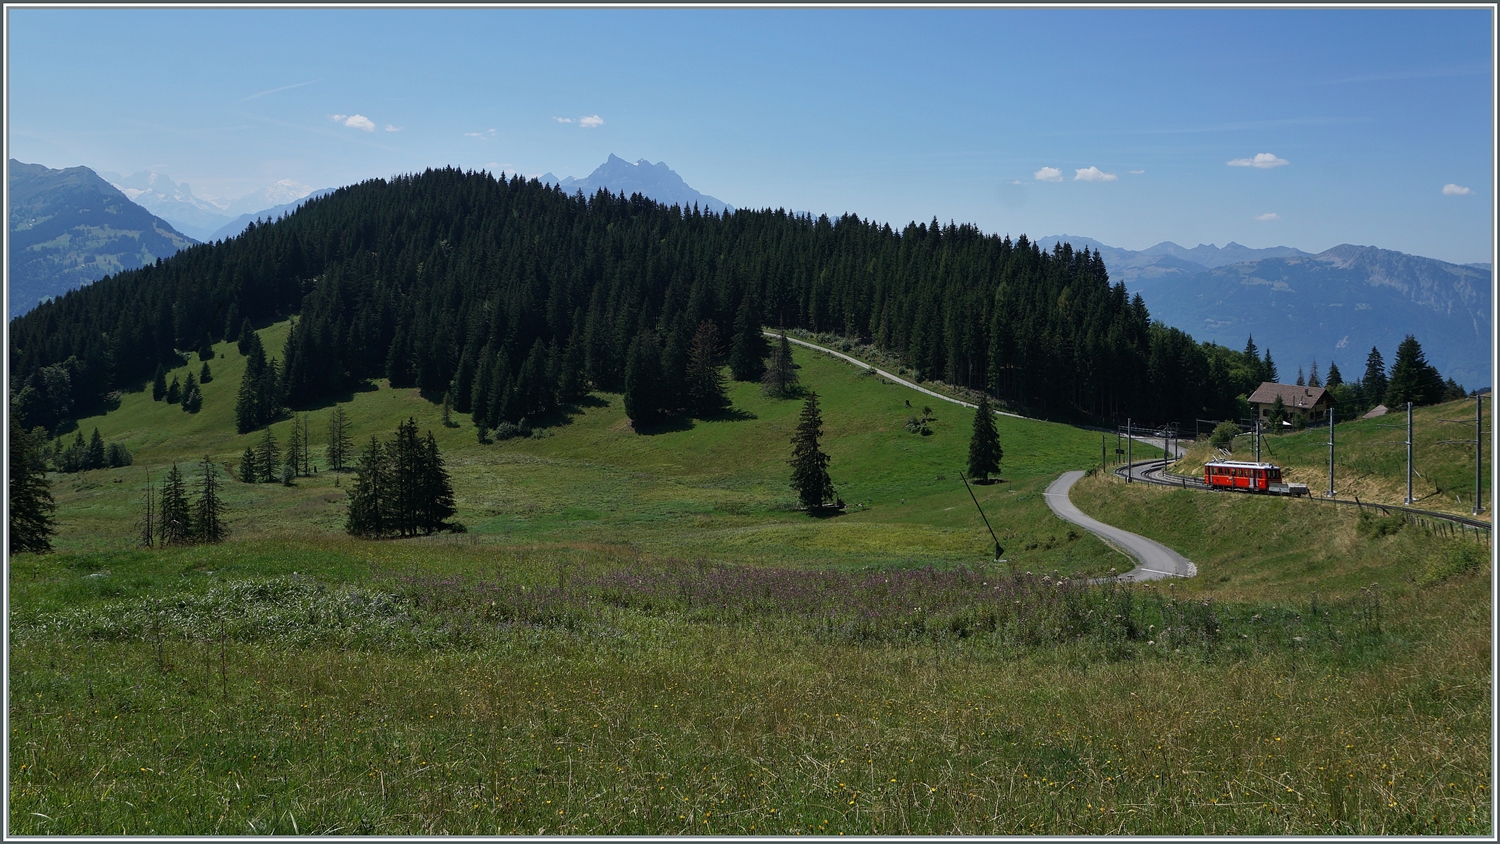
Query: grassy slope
pixel 714 489
pixel 1371 457
pixel 650 721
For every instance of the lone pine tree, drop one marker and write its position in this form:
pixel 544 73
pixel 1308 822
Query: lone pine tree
pixel 174 525
pixel 208 522
pixel 985 453
pixel 809 463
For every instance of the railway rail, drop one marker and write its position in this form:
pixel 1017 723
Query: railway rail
pixel 1155 472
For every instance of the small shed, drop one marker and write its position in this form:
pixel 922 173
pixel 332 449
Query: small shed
pixel 1313 401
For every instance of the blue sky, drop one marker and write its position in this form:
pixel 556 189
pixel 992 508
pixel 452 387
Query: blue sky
pixel 987 116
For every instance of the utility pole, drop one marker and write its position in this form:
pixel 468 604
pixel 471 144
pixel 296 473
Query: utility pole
pixel 1409 499
pixel 1330 452
pixel 1257 440
pixel 1127 450
pixel 1478 450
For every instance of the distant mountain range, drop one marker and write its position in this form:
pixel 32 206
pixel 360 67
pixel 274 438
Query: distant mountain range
pixel 70 227
pixel 658 181
pixel 1329 307
pixel 201 218
pixel 239 224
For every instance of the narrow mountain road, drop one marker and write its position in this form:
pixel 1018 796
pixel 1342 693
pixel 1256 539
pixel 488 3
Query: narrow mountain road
pixel 1154 560
pixel 881 372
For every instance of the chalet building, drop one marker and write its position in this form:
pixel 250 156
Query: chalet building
pixel 1314 401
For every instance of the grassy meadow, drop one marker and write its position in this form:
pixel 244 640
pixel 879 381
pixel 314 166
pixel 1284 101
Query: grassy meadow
pixel 638 634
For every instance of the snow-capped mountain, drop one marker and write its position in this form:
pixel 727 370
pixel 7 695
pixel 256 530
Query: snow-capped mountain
pixel 200 217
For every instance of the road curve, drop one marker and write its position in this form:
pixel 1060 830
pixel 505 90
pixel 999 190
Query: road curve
pixel 1154 560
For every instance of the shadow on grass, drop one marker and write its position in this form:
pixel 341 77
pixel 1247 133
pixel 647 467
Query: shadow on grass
pixel 334 398
pixel 671 424
pixel 729 414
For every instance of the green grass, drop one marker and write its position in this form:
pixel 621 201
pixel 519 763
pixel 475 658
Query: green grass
pixel 716 489
pixel 1370 457
pixel 295 680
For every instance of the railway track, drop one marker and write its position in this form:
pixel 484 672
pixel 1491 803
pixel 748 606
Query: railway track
pixel 1155 472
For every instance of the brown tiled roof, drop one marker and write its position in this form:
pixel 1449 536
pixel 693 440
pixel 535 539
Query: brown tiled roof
pixel 1292 395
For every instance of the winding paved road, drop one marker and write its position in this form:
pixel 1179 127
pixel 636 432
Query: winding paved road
pixel 1155 560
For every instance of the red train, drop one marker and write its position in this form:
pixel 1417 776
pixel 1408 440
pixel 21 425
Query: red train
pixel 1250 477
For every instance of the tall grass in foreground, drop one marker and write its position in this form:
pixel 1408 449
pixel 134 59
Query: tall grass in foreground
pixel 684 697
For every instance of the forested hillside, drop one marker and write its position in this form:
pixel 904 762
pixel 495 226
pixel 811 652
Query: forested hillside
pixel 511 295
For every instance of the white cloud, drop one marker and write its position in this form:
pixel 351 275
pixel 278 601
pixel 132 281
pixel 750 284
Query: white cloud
pixel 390 128
pixel 338 118
pixel 1093 174
pixel 1048 174
pixel 1136 172
pixel 359 121
pixel 473 134
pixel 1268 216
pixel 1263 160
pixel 563 119
pixel 591 121
pixel 1016 182
pixel 1451 189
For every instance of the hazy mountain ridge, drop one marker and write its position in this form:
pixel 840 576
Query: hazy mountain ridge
pixel 70 227
pixel 197 216
pixel 657 181
pixel 1330 306
pixel 240 223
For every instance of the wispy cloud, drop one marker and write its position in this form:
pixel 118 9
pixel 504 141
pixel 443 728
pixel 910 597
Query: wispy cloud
pixel 390 128
pixel 1017 182
pixel 1136 172
pixel 1048 174
pixel 1093 174
pixel 1268 217
pixel 1451 189
pixel 487 134
pixel 1263 161
pixel 277 90
pixel 589 122
pixel 354 121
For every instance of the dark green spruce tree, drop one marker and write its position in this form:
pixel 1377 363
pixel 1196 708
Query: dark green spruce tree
pixel 30 494
pixel 780 378
pixel 705 383
pixel 208 521
pixel 809 463
pixel 370 492
pixel 985 453
pixel 747 355
pixel 643 380
pixel 159 384
pixel 174 524
pixel 1374 383
pixel 1413 379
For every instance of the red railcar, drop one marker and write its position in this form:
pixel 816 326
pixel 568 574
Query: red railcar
pixel 1250 477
